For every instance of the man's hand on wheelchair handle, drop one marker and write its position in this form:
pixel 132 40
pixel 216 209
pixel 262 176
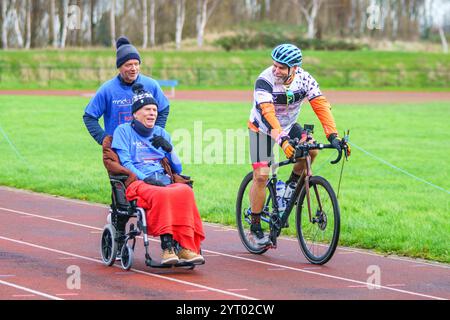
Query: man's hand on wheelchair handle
pixel 154 182
pixel 159 141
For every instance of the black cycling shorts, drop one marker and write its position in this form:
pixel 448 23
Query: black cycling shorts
pixel 261 145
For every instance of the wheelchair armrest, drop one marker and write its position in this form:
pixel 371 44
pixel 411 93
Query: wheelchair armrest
pixel 122 178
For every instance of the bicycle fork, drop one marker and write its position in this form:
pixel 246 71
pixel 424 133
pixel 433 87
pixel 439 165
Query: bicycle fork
pixel 308 194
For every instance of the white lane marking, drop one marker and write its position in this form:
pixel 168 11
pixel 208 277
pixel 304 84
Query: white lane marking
pixel 395 285
pixel 243 289
pixel 42 294
pixel 43 195
pixel 247 259
pixel 125 273
pixel 51 219
pixel 135 270
pixel 212 224
pixel 328 276
pixel 194 291
pixel 379 255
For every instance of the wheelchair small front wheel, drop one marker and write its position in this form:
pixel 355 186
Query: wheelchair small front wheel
pixel 127 256
pixel 108 245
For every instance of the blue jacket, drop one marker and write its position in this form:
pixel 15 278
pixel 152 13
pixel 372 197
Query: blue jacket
pixel 113 101
pixel 137 154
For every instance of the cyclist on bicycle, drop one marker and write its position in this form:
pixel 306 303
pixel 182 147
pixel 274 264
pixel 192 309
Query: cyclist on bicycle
pixel 278 96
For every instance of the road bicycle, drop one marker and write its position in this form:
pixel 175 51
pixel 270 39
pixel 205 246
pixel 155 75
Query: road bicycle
pixel 317 209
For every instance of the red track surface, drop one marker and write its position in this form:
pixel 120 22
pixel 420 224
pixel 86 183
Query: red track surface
pixel 335 97
pixel 41 236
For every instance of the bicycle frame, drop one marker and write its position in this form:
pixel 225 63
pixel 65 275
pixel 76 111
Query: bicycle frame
pixel 275 220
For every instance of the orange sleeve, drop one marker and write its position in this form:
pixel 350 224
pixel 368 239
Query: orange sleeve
pixel 268 115
pixel 322 109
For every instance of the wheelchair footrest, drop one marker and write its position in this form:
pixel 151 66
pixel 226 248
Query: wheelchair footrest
pixel 153 264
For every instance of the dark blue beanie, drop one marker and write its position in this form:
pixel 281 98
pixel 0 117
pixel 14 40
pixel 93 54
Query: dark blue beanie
pixel 141 98
pixel 125 52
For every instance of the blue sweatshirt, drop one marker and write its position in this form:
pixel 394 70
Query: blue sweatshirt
pixel 113 101
pixel 137 154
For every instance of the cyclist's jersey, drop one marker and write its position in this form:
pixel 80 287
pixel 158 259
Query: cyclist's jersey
pixel 271 90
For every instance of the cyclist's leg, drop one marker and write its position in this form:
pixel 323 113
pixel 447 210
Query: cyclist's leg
pixel 261 146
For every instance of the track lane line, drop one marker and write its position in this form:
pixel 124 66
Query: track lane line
pixel 304 270
pixel 211 224
pixel 132 269
pixel 42 294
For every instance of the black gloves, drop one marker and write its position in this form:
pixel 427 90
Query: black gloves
pixel 159 141
pixel 335 142
pixel 154 182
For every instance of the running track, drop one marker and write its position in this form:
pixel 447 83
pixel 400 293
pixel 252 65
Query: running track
pixel 335 97
pixel 41 236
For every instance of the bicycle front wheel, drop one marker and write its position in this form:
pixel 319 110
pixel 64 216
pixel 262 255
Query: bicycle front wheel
pixel 318 234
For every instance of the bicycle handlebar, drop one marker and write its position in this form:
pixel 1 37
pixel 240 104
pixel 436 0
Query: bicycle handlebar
pixel 305 147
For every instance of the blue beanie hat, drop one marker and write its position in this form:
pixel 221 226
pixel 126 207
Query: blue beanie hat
pixel 125 52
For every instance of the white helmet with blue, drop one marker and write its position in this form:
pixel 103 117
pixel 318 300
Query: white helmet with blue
pixel 287 54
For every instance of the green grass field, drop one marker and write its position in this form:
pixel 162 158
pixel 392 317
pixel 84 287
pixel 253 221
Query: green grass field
pixel 382 208
pixel 235 69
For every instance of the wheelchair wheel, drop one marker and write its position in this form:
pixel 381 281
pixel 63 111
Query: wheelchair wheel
pixel 127 255
pixel 108 245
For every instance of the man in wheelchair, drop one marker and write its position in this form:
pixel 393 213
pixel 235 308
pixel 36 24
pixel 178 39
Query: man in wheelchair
pixel 145 150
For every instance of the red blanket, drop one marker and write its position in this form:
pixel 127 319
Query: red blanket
pixel 170 209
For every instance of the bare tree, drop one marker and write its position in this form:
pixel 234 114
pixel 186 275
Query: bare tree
pixel 144 23
pixel 181 14
pixel 203 15
pixel 52 24
pixel 152 23
pixel 267 7
pixel 64 23
pixel 14 17
pixel 4 25
pixel 113 23
pixel 28 24
pixel 310 11
pixel 252 7
pixel 92 35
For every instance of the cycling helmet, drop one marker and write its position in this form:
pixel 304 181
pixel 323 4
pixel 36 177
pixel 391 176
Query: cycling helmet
pixel 287 54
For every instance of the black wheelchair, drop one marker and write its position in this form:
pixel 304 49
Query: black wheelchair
pixel 117 242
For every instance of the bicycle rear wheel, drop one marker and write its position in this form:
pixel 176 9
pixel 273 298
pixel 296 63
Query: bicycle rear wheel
pixel 243 214
pixel 318 239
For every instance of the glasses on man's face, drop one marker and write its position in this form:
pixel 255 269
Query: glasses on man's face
pixel 290 96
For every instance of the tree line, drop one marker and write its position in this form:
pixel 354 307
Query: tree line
pixel 149 23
